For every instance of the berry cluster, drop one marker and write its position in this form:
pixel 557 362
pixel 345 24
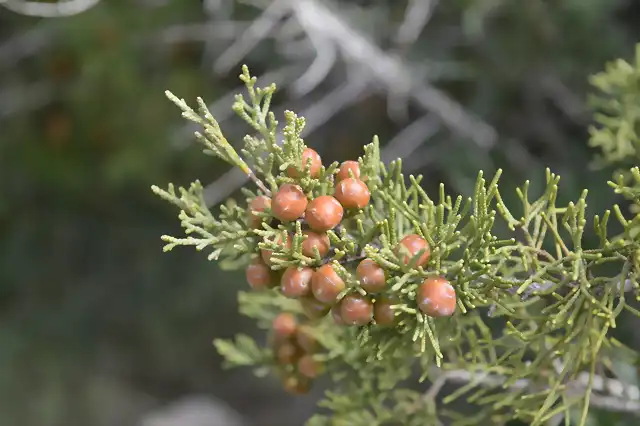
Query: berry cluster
pixel 322 288
pixel 294 348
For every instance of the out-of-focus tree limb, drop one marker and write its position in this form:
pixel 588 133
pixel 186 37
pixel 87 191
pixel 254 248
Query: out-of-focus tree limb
pixel 256 32
pixel 391 72
pixel 23 98
pixel 416 17
pixel 49 10
pixel 607 393
pixel 409 139
pixel 24 44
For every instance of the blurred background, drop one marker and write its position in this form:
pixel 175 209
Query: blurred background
pixel 97 326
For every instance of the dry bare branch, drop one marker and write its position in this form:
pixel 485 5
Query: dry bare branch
pixel 256 32
pixel 391 72
pixel 49 10
pixel 416 17
pixel 607 393
pixel 23 98
pixel 24 44
pixel 409 139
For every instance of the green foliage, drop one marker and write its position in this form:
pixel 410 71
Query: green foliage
pixel 243 352
pixel 552 294
pixel 617 108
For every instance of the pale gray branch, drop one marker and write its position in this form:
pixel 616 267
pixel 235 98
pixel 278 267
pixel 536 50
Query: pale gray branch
pixel 416 17
pixel 422 157
pixel 405 143
pixel 224 186
pixel 249 39
pixel 218 7
pixel 202 31
pixel 322 111
pixel 24 44
pixel 288 30
pixel 390 72
pixel 23 98
pixel 610 394
pixel 319 69
pixel 49 10
pixel 565 99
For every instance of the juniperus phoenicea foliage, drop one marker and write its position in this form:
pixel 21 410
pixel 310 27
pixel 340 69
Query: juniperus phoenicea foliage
pixel 384 286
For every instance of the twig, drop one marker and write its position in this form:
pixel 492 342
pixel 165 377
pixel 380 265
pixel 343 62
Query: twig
pixel 565 99
pixel 224 186
pixel 201 31
pixel 17 99
pixel 541 287
pixel 24 44
pixel 416 17
pixel 622 397
pixel 320 112
pixel 256 32
pixel 321 66
pixel 218 7
pixel 49 10
pixel 410 138
pixel 390 71
pixel 289 30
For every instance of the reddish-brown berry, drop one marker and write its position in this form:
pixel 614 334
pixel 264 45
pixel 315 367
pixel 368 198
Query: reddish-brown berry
pixel 436 297
pixel 296 283
pixel 371 275
pixel 413 244
pixel 289 203
pixel 383 314
pixel 258 275
pixel 316 164
pixel 352 193
pixel 287 353
pixel 345 168
pixel 296 385
pixel 313 308
pixel 356 310
pixel 324 213
pixel 318 240
pixel 336 315
pixel 309 367
pixel 305 339
pixel 326 284
pixel 266 253
pixel 284 326
pixel 257 205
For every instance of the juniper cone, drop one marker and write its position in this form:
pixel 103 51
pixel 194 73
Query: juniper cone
pixel 348 169
pixel 445 272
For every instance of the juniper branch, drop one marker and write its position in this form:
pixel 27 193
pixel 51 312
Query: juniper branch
pixel 545 349
pixel 213 139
